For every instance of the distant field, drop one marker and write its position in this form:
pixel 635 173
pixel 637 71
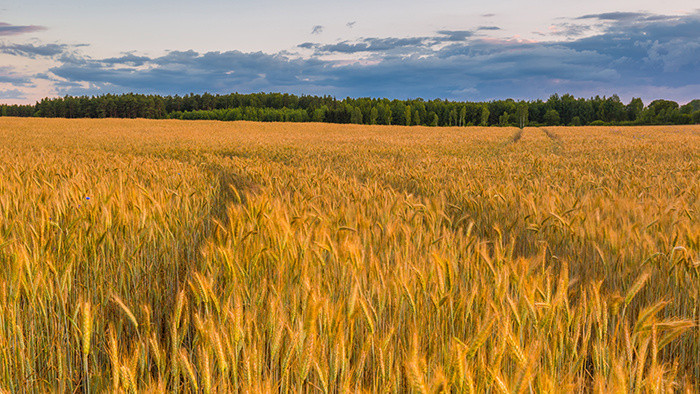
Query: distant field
pixel 209 256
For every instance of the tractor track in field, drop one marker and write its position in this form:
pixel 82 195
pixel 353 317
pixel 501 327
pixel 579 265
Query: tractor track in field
pixel 554 137
pixel 517 135
pixel 557 143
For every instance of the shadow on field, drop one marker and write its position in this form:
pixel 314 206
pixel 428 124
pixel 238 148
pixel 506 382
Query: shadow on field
pixel 232 189
pixel 232 186
pixel 494 220
pixel 168 266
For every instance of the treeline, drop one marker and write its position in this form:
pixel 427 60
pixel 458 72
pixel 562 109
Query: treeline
pixel 278 107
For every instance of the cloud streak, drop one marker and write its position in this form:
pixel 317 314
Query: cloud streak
pixel 33 51
pixel 616 16
pixel 454 35
pixel 7 29
pixel 367 45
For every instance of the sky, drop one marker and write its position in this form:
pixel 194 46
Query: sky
pixel 457 50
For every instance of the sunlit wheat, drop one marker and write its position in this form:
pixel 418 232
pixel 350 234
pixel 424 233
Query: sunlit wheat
pixel 214 257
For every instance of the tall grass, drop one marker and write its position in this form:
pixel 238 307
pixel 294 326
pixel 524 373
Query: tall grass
pixel 207 257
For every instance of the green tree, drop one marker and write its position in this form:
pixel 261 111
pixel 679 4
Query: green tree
pixel 373 115
pixel 503 119
pixel 320 114
pixel 647 117
pixel 696 117
pixel 485 114
pixel 695 105
pixel 384 114
pixel 462 115
pixel 522 114
pixel 356 115
pixel 434 119
pixel 666 111
pixel 453 117
pixel 551 117
pixel 291 108
pixel 634 109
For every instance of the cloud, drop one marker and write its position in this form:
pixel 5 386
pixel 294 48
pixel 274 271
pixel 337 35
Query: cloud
pixel 629 17
pixel 7 29
pixel 10 76
pixel 12 94
pixel 648 54
pixel 128 59
pixel 615 16
pixel 664 50
pixel 488 28
pixel 368 45
pixel 318 29
pixel 189 71
pixel 454 35
pixel 569 29
pixel 32 51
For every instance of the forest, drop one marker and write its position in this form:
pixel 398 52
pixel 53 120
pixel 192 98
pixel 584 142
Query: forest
pixel 562 110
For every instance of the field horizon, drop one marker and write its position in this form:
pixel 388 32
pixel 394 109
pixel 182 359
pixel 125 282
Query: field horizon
pixel 207 256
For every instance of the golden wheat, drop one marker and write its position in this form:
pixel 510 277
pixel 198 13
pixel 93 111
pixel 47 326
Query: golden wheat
pixel 203 256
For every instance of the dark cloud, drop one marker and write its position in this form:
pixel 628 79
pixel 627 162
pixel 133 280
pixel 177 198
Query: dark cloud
pixel 368 45
pixel 488 28
pixel 7 29
pixel 128 59
pixel 185 71
pixel 318 29
pixel 616 16
pixel 629 17
pixel 32 51
pixel 454 35
pixel 665 51
pixel 488 15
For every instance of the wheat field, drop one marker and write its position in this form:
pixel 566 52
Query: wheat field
pixel 206 257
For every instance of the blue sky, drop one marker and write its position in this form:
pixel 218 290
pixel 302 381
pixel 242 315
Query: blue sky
pixel 461 50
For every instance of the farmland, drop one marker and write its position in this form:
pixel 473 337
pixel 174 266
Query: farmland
pixel 208 256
